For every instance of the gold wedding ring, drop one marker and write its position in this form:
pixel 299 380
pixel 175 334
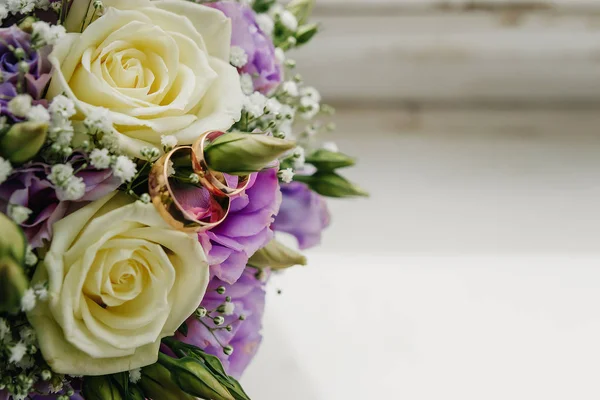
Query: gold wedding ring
pixel 214 181
pixel 220 193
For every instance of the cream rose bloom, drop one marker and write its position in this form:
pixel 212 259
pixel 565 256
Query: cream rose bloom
pixel 120 279
pixel 159 67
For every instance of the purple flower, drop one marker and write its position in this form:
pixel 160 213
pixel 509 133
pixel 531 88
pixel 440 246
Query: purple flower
pixel 303 214
pixel 248 300
pixel 29 187
pixel 34 81
pixel 246 229
pixel 262 64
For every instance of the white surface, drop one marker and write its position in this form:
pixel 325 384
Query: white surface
pixel 472 273
pixel 358 326
pixel 459 51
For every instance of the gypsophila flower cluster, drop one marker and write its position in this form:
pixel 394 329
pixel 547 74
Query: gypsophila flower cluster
pixel 45 34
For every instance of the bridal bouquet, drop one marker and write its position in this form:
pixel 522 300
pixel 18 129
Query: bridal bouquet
pixel 151 153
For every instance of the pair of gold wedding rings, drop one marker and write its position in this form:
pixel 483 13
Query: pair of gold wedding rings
pixel 220 193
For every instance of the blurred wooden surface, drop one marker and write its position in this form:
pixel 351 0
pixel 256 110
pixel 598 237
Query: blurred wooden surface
pixel 463 52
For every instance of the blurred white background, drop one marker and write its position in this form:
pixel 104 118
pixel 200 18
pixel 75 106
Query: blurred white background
pixel 473 271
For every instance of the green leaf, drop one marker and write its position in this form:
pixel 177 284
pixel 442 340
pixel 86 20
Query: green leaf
pixel 330 184
pixel 128 390
pixel 193 377
pixel 325 160
pixel 276 256
pixel 156 384
pixel 305 33
pixel 302 9
pixel 217 368
pixel 212 363
pixel 261 6
pixel 100 388
pixel 238 153
pixel 183 329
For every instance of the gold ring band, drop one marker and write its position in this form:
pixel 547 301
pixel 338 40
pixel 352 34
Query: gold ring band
pixel 214 181
pixel 170 209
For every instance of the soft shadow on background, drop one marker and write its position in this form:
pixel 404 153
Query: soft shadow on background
pixel 472 272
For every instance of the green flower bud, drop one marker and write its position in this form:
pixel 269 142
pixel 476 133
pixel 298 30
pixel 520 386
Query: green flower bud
pixel 13 284
pixel 228 350
pixel 157 385
pixel 100 388
pixel 27 24
pixel 194 378
pixel 326 160
pixel 305 33
pixel 302 9
pixel 276 256
pixel 13 281
pixel 330 184
pixel 242 153
pixel 23 141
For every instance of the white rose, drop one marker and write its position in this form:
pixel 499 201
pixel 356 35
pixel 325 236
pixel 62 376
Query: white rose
pixel 120 279
pixel 160 67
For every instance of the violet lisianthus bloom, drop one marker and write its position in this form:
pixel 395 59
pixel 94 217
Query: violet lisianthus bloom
pixel 248 302
pixel 262 64
pixel 246 229
pixel 303 214
pixel 29 187
pixel 38 75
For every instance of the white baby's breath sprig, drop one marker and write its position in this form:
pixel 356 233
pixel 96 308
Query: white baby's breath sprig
pixel 61 107
pixel 286 175
pixel 46 34
pixel 100 158
pixel 247 84
pixel 330 146
pixel 60 174
pixel 238 57
pixel 18 213
pixel 17 352
pixel 38 113
pixel 124 168
pixel 254 104
pixel 20 6
pixel 265 23
pixel 290 88
pixel 68 186
pixel 3 12
pixel 99 121
pixel 28 300
pixel 5 169
pixel 20 105
pixel 168 142
pixel 30 257
pixel 135 375
pixel 299 157
pixel 288 20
